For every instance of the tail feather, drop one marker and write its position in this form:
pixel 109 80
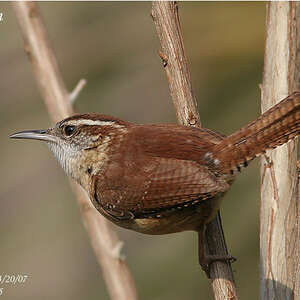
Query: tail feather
pixel 275 127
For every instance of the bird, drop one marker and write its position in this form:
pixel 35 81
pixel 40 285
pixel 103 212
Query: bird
pixel 162 178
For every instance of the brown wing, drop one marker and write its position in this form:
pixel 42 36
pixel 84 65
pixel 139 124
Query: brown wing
pixel 155 176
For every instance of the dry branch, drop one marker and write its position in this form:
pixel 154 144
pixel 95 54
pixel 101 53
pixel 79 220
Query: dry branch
pixel 165 16
pixel 104 240
pixel 280 209
pixel 78 88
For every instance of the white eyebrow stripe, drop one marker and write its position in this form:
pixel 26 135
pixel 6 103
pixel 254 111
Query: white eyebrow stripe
pixel 95 122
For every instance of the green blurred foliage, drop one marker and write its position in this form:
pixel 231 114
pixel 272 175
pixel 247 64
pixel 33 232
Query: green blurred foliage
pixel 114 46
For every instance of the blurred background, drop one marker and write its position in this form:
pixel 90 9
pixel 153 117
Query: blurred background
pixel 114 47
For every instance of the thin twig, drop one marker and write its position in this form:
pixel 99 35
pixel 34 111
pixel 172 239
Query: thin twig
pixel 103 239
pixel 165 16
pixel 78 88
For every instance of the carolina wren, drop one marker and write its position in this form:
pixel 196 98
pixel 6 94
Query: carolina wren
pixel 161 178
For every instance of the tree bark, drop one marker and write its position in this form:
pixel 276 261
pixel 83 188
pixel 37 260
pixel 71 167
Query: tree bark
pixel 280 223
pixel 166 19
pixel 104 240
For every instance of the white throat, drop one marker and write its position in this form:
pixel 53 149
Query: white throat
pixel 67 158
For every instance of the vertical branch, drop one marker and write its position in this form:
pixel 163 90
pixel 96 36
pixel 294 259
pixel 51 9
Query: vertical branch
pixel 280 226
pixel 165 16
pixel 166 20
pixel 104 240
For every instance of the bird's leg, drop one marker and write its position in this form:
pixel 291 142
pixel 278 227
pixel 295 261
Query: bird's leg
pixel 205 260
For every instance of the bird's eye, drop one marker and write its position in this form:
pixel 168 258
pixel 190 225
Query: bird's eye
pixel 69 130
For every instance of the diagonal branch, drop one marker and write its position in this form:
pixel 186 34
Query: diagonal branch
pixel 104 240
pixel 165 16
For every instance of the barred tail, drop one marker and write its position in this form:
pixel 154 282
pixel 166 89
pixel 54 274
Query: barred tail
pixel 275 127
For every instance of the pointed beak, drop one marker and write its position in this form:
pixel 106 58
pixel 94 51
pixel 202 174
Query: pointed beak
pixel 41 135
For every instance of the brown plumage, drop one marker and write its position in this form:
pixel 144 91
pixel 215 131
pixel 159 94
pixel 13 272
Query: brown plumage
pixel 272 129
pixel 162 178
pixel 158 170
